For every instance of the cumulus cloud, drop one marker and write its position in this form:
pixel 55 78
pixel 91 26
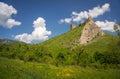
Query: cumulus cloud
pixel 6 12
pixel 106 25
pixel 40 33
pixel 66 20
pixel 95 12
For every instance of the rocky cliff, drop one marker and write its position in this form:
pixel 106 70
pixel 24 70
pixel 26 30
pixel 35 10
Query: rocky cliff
pixel 90 31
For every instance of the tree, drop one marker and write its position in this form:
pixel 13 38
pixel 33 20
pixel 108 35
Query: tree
pixel 117 28
pixel 29 56
pixel 61 58
pixel 78 51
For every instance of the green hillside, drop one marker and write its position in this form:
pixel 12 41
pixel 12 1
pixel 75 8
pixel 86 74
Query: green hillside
pixel 62 57
pixel 64 42
pixel 65 50
pixel 70 40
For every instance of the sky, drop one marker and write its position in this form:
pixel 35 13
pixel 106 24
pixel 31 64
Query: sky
pixel 34 21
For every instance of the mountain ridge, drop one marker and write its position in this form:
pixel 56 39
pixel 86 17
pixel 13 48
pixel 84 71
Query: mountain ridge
pixel 9 41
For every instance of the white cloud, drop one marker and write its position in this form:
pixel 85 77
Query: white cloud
pixel 95 12
pixel 76 17
pixel 106 25
pixel 66 20
pixel 6 12
pixel 11 22
pixel 39 33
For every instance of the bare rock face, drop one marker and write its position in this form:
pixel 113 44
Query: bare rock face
pixel 72 26
pixel 90 31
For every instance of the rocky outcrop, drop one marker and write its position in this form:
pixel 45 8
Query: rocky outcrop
pixel 72 26
pixel 90 31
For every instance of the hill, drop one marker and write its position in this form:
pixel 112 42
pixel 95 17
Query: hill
pixel 8 41
pixel 102 50
pixel 64 56
pixel 96 39
pixel 67 49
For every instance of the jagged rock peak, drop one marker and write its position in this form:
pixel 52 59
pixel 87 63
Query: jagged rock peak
pixel 89 19
pixel 90 31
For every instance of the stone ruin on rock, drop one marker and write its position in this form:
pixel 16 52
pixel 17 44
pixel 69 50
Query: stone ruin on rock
pixel 72 26
pixel 90 31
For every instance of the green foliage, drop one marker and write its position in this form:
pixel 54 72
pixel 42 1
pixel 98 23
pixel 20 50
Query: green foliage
pixel 66 50
pixel 63 58
pixel 99 57
pixel 107 57
pixel 117 29
pixel 29 56
pixel 16 69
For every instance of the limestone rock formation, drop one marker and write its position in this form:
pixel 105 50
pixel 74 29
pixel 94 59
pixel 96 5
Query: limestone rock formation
pixel 90 31
pixel 72 26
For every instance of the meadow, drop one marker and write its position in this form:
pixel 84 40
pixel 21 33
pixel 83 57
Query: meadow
pixel 17 69
pixel 62 58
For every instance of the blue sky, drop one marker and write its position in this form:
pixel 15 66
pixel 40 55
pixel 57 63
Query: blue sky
pixel 47 17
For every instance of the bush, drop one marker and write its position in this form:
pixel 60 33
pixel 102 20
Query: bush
pixel 112 57
pixel 99 57
pixel 29 56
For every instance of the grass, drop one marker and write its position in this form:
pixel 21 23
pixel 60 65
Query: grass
pixel 102 44
pixel 69 40
pixel 16 69
pixel 64 41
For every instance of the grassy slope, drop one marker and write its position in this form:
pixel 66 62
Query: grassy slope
pixel 63 42
pixel 16 69
pixel 70 39
pixel 102 44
